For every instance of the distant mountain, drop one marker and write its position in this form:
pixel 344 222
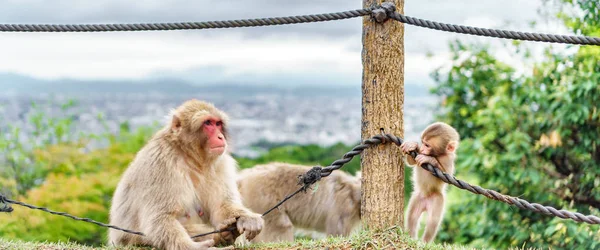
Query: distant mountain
pixel 20 84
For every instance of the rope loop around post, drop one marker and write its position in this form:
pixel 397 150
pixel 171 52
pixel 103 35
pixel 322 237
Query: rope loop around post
pixel 389 7
pixel 311 177
pixel 383 12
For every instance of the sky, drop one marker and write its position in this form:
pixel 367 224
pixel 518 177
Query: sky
pixel 321 53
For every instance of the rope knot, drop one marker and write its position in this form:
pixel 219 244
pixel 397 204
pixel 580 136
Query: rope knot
pixel 311 177
pixel 384 11
pixel 4 206
pixel 389 7
pixel 383 137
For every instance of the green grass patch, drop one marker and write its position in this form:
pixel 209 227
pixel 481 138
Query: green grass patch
pixel 391 238
pixel 18 244
pixel 25 245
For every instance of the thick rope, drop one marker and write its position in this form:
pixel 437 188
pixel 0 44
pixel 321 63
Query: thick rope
pixel 516 35
pixel 185 25
pixel 520 203
pixel 379 13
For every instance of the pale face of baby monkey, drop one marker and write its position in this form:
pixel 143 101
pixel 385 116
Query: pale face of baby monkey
pixel 439 144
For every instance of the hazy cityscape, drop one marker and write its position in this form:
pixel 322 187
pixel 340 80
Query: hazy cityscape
pixel 272 118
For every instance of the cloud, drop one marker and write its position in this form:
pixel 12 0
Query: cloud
pixel 327 50
pixel 135 55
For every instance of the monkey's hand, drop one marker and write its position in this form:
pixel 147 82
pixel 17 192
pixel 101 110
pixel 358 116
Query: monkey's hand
pixel 422 159
pixel 251 223
pixel 409 146
pixel 226 237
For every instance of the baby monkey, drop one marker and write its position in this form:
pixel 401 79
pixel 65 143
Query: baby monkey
pixel 440 142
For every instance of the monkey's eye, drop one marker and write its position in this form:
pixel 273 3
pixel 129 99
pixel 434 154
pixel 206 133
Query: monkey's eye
pixel 207 122
pixel 219 123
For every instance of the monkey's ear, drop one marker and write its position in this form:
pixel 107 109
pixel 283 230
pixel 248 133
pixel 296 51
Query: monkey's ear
pixel 451 148
pixel 175 122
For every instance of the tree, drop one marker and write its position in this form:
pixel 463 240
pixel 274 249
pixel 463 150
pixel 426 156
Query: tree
pixel 533 136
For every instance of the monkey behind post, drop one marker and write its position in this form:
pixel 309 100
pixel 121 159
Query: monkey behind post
pixel 439 144
pixel 182 183
pixel 333 206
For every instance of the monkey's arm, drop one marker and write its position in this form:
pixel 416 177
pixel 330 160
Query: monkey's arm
pixel 231 205
pixel 247 221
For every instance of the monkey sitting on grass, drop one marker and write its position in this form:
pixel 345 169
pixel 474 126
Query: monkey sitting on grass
pixel 332 207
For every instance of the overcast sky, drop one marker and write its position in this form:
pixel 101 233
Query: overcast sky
pixel 326 52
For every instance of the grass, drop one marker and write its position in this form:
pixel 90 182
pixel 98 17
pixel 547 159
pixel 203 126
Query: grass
pixel 391 238
pixel 15 244
pixel 23 245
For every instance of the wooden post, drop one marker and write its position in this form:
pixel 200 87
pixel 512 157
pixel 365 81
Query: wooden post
pixel 382 107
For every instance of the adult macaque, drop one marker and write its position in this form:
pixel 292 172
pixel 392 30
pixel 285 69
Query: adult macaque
pixel 182 183
pixel 440 142
pixel 333 206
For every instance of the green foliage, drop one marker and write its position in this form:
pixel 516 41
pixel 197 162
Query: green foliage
pixel 305 154
pixel 584 19
pixel 86 196
pixel 63 175
pixel 20 170
pixel 533 136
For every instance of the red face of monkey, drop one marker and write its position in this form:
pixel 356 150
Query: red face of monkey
pixel 213 129
pixel 201 128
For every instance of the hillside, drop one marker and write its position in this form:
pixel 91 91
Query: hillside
pixel 21 84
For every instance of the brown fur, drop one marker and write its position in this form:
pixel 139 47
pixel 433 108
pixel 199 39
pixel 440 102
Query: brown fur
pixel 333 208
pixel 440 142
pixel 175 187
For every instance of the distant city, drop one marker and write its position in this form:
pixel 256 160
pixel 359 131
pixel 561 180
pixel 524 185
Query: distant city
pixel 257 117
